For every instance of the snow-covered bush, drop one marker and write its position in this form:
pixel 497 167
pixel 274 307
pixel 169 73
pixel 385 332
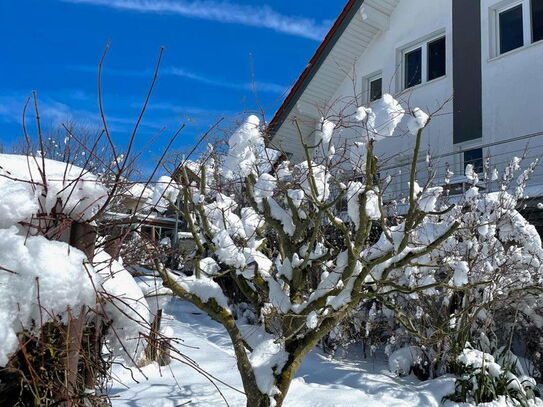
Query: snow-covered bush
pixel 478 281
pixel 272 227
pixel 485 281
pixel 42 279
pixel 482 379
pixel 59 300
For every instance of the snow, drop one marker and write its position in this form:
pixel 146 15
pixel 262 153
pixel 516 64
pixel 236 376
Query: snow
pixel 204 288
pixel 155 293
pixel 402 360
pixel 39 279
pixel 354 191
pixel 372 205
pixel 417 121
pixel 267 358
pixel 277 212
pixel 209 266
pixel 383 118
pixel 312 320
pixel 428 198
pixel 321 177
pixel 251 221
pixel 471 174
pixel 221 216
pixel 325 132
pixel 140 191
pixel 264 187
pixel 284 268
pixel 264 263
pixel 460 276
pixel 246 144
pixel 227 251
pixel 17 203
pixel 80 193
pixel 297 196
pixel 362 113
pixel 357 157
pixel 279 299
pixel 185 235
pixel 320 382
pixel 283 171
pixel 164 192
pixel 475 358
pixel 125 306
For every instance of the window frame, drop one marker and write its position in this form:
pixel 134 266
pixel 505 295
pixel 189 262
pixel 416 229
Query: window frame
pixel 423 66
pixel 531 15
pixel 428 70
pixel 527 27
pixel 367 86
pixel 423 44
pixel 499 12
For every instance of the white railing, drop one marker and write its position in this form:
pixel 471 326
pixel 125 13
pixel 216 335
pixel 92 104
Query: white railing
pixel 497 155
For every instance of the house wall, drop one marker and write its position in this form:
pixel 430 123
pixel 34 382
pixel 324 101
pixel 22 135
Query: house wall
pixel 512 93
pixel 512 89
pixel 509 91
pixel 412 21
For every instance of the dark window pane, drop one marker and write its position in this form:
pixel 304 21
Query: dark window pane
pixel 511 29
pixel 376 89
pixel 537 20
pixel 413 68
pixel 436 59
pixel 475 158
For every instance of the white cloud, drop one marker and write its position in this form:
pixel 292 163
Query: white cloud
pixel 222 11
pixel 187 110
pixel 259 86
pixel 267 87
pixel 11 110
pixel 53 113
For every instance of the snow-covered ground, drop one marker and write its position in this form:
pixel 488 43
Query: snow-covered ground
pixel 321 382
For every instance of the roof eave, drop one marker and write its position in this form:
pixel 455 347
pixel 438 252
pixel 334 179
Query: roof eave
pixel 314 65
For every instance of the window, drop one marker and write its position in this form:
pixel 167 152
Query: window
pixel 537 20
pixel 413 68
pixel 511 29
pixel 375 89
pixel 475 158
pixel 424 62
pixel 515 25
pixel 436 58
pixel 372 86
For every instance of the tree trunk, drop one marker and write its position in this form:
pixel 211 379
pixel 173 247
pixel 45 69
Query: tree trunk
pixel 259 400
pixel 152 349
pixel 298 350
pixel 82 237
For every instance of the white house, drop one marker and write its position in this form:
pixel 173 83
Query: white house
pixel 477 63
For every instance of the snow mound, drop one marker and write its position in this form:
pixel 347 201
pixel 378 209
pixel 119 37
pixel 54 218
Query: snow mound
pixel 125 306
pixel 403 360
pixel 46 184
pixel 39 280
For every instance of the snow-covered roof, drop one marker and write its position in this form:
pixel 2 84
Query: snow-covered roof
pixel 351 34
pixel 139 191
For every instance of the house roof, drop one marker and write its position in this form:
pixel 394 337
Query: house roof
pixel 347 40
pixel 315 62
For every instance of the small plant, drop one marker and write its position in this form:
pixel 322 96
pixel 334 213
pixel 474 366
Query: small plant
pixel 481 379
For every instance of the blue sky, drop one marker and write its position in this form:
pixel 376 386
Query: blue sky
pixel 53 47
